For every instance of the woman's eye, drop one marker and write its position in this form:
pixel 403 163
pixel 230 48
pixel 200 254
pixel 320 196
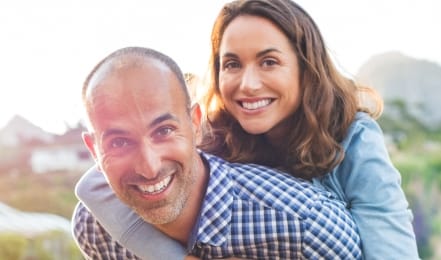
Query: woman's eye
pixel 268 63
pixel 231 65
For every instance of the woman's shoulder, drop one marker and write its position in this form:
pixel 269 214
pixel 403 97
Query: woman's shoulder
pixel 363 143
pixel 363 120
pixel 364 129
pixel 366 164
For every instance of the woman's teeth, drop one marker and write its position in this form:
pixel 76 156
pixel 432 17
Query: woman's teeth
pixel 257 104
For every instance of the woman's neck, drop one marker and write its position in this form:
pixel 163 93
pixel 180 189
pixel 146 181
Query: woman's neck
pixel 278 135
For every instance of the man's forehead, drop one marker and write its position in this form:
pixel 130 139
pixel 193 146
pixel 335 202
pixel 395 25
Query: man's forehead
pixel 118 65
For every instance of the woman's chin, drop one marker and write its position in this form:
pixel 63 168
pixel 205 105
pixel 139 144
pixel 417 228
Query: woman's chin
pixel 255 129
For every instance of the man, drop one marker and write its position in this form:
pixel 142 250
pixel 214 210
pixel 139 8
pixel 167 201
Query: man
pixel 143 135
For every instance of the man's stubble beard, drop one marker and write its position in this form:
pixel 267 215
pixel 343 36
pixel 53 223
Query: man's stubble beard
pixel 164 211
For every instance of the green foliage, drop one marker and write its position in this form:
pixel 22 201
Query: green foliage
pixel 421 176
pixel 48 193
pixel 52 245
pixel 55 245
pixel 418 158
pixel 402 126
pixel 35 192
pixel 12 246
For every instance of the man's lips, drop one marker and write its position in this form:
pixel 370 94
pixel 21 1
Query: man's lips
pixel 151 189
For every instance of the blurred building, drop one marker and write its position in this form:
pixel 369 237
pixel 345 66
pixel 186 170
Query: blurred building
pixel 24 145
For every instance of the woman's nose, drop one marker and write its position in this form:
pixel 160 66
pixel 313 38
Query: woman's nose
pixel 250 80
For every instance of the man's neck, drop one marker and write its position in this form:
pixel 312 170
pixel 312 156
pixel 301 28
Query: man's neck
pixel 181 228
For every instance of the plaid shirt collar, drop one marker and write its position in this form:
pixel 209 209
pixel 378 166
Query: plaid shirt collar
pixel 215 217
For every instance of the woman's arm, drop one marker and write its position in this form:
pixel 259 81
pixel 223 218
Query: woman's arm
pixel 372 188
pixel 122 223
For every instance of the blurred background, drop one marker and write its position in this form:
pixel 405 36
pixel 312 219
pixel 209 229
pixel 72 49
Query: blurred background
pixel 48 47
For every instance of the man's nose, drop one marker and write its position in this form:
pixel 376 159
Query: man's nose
pixel 150 161
pixel 250 80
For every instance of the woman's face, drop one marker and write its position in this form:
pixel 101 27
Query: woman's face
pixel 259 75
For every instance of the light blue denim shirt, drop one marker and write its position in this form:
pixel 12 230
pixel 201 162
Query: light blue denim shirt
pixel 366 181
pixel 370 185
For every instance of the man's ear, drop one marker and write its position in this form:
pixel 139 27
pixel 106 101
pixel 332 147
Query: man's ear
pixel 90 144
pixel 196 117
pixel 89 141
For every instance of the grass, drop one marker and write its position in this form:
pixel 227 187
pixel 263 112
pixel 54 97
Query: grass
pixel 49 193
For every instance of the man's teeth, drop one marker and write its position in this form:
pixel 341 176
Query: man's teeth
pixel 257 104
pixel 155 188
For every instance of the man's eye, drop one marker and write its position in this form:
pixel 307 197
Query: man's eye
pixel 163 132
pixel 119 142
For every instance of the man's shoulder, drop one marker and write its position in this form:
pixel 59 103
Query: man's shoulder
pixel 83 222
pixel 81 214
pixel 269 187
pixel 248 170
pixel 93 239
pixel 85 226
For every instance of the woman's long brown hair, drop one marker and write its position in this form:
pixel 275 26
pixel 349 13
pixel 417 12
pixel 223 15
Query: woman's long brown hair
pixel 329 100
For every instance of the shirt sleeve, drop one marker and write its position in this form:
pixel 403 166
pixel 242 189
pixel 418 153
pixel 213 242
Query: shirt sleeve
pixel 93 241
pixel 372 189
pixel 123 224
pixel 330 232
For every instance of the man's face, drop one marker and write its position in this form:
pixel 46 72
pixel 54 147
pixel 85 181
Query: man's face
pixel 143 139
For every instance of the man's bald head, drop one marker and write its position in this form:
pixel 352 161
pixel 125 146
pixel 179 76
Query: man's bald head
pixel 130 57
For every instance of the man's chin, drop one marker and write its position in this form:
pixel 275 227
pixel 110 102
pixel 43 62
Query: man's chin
pixel 158 216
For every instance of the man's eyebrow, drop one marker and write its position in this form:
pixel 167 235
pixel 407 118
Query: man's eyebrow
pixel 162 118
pixel 156 121
pixel 113 131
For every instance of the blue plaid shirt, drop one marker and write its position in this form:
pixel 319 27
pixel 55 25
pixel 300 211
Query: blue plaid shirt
pixel 251 212
pixel 94 242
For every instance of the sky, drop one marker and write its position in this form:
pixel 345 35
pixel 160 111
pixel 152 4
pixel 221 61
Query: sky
pixel 48 47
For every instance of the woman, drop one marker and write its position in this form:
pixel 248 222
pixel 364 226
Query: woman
pixel 275 98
